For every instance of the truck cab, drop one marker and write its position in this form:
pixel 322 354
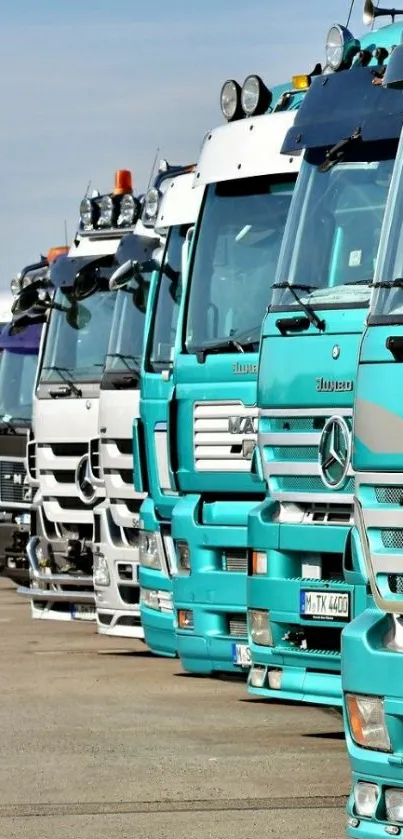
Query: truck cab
pixel 177 213
pixel 306 580
pixel 19 347
pixel 247 188
pixel 372 660
pixel 79 306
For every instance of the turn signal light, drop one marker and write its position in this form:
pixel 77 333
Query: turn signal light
pixel 53 253
pixel 259 562
pixel 301 82
pixel 123 182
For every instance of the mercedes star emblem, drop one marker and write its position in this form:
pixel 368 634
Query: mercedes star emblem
pixel 85 488
pixel 335 453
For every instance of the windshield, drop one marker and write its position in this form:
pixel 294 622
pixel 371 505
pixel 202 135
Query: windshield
pixel 17 377
pixel 163 330
pixel 126 339
pixel 235 259
pixel 77 337
pixel 332 236
pixel 387 297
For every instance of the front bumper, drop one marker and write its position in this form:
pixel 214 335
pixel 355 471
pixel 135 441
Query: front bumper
pixel 117 604
pixel 56 596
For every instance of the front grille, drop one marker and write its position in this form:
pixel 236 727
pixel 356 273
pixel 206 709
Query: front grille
pixel 222 436
pixel 75 449
pixel 125 571
pixel 396 583
pixel 128 620
pixel 235 561
pixel 125 445
pixel 296 424
pixel 307 483
pixel 12 476
pixel 237 626
pixel 129 594
pixel 95 458
pixel 295 452
pixel 105 619
pixel 392 539
pixel 389 495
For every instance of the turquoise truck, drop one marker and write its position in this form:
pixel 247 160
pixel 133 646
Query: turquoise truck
pixel 306 580
pixel 372 661
pixel 172 206
pixel 247 187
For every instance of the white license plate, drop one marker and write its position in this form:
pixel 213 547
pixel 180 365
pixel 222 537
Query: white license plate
pixel 83 613
pixel 241 655
pixel 325 605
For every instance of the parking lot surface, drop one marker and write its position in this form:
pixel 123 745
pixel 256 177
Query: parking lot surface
pixel 101 739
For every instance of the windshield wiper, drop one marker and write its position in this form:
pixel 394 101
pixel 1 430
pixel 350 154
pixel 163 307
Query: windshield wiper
pixel 70 388
pixel 359 282
pixel 228 346
pixel 309 311
pixel 397 283
pixel 337 153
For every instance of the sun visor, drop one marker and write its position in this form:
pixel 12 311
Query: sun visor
pixel 340 104
pixel 137 248
pixel 64 270
pixel 21 339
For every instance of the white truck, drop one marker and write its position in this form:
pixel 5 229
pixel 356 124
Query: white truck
pixel 80 307
pixel 174 203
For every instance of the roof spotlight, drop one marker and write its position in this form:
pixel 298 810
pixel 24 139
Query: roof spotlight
pixel 255 96
pixel 230 100
pixel 341 47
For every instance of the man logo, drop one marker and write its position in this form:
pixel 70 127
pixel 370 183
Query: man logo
pixel 241 425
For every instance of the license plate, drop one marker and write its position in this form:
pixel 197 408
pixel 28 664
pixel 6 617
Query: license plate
pixel 241 655
pixel 325 605
pixel 83 613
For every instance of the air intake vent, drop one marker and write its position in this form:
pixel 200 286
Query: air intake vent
pixel 235 561
pixel 237 626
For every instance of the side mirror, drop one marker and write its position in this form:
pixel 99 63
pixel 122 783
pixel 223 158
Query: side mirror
pixel 27 298
pixel 124 274
pixel 86 281
pixel 393 77
pixel 78 316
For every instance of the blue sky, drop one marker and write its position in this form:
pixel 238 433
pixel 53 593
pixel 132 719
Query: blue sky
pixel 88 87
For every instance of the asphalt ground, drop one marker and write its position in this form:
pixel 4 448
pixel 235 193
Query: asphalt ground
pixel 99 739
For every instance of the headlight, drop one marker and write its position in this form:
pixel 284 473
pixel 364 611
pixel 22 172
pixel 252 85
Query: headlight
pixel 255 96
pixel 105 204
pixel 367 722
pixel 148 550
pixel 101 571
pixel 149 597
pixel 366 798
pixel 183 554
pixel 259 627
pixel 394 804
pixel 86 213
pixel 15 286
pixel 127 210
pixel 341 47
pixel 151 202
pixel 230 100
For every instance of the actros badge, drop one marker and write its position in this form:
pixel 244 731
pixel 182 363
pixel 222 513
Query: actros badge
pixel 335 453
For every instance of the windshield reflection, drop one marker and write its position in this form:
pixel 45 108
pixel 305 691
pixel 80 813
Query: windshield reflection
pixel 127 333
pixel 78 336
pixel 235 260
pixel 17 379
pixel 332 236
pixel 163 332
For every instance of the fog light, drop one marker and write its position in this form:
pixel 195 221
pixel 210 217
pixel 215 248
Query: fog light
pixel 257 676
pixel 275 678
pixel 185 619
pixel 259 562
pixel 352 822
pixel 394 804
pixel 366 798
pixel 183 552
pixel 393 830
pixel 259 627
pixel 149 597
pixel 148 550
pixel 101 571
